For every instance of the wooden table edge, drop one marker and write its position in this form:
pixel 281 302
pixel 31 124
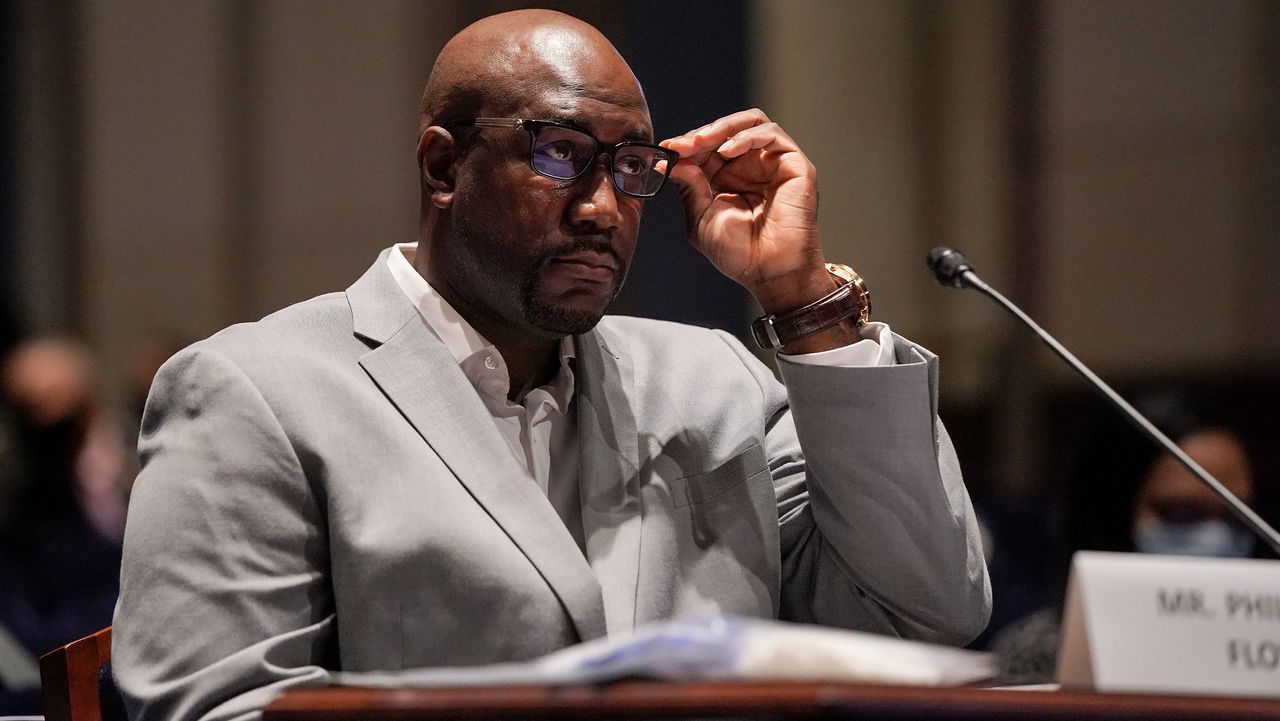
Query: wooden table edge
pixel 780 699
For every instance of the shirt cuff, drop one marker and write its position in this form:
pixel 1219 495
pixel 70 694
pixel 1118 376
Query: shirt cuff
pixel 875 349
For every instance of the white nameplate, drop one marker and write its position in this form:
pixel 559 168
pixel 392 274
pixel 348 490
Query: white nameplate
pixel 1171 624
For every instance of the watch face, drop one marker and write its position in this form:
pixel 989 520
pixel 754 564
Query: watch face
pixel 842 272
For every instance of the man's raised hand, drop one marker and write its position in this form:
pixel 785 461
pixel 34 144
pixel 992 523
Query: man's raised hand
pixel 751 207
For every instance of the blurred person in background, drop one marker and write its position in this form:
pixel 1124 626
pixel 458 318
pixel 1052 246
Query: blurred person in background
pixel 1130 495
pixel 1127 496
pixel 62 504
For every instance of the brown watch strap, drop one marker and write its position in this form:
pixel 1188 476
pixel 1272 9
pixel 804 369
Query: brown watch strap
pixel 849 300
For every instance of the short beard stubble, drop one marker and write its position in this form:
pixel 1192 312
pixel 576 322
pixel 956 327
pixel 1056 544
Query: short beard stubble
pixel 559 319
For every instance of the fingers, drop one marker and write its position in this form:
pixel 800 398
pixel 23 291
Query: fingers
pixel 768 137
pixel 713 134
pixel 744 154
pixel 730 136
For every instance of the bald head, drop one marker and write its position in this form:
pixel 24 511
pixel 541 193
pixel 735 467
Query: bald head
pixel 496 63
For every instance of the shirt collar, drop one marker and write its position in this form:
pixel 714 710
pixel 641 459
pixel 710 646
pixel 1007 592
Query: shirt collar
pixel 479 359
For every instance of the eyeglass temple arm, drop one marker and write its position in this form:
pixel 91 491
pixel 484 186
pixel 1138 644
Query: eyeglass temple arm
pixel 498 122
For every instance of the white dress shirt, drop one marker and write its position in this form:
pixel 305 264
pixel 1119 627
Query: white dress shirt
pixel 541 430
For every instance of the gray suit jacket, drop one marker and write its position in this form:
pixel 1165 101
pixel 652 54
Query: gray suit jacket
pixel 323 489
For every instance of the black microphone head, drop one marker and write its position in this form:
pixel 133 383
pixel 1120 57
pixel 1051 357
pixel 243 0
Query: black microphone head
pixel 949 266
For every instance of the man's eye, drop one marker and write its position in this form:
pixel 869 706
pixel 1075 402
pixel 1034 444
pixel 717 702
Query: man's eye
pixel 558 151
pixel 630 165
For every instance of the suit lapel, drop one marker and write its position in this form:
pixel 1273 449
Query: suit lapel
pixel 608 475
pixel 420 377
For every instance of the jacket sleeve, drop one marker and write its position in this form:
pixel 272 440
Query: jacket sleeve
pixel 224 597
pixel 877 531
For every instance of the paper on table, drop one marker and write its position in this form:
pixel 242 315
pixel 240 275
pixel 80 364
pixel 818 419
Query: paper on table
pixel 716 649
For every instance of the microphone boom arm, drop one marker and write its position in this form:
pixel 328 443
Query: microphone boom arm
pixel 966 278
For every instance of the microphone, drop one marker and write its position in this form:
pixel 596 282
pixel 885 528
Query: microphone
pixel 951 268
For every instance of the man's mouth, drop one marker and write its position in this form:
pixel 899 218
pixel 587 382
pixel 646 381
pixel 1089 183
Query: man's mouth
pixel 589 258
pixel 585 264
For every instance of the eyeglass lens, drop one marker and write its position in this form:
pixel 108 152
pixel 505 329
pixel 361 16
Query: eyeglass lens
pixel 565 153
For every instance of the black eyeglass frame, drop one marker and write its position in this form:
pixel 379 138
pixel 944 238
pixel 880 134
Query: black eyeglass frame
pixel 532 126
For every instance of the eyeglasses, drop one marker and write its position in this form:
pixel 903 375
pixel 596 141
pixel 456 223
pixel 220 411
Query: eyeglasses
pixel 565 153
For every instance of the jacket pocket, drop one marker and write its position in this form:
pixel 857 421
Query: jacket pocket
pixel 703 487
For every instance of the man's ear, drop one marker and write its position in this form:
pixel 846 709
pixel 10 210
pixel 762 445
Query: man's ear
pixel 437 153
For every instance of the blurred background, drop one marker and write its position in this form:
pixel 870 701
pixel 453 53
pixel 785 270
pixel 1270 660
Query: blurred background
pixel 1114 166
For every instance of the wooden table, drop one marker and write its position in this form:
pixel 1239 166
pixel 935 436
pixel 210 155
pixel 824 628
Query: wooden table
pixel 808 700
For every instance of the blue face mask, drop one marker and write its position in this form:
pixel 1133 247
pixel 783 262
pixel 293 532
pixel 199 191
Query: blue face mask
pixel 1211 537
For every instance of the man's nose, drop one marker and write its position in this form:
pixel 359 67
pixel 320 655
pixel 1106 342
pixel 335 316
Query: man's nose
pixel 597 203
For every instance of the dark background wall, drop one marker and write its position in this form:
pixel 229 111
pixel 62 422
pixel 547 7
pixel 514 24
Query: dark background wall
pixel 8 180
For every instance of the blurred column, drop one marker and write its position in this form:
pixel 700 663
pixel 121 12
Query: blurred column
pixel 1264 299
pixel 1156 121
pixel 330 170
pixel 154 187
pixel 46 164
pixel 1015 387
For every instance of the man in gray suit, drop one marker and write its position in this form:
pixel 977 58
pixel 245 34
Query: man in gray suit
pixel 458 461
